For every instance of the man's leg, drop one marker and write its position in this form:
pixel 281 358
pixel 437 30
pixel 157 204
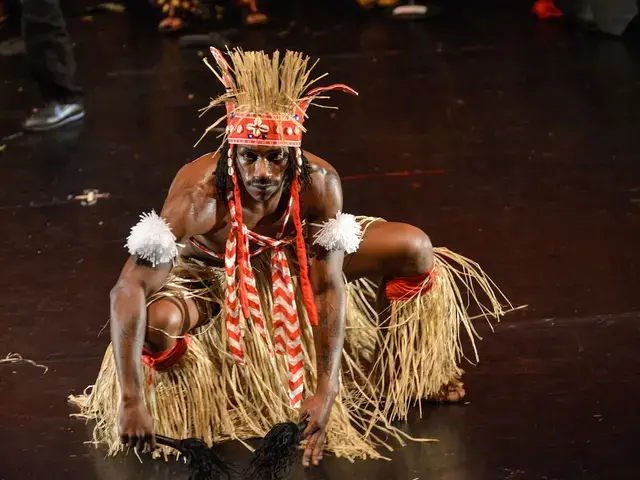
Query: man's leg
pixel 395 250
pixel 389 250
pixel 51 62
pixel 170 317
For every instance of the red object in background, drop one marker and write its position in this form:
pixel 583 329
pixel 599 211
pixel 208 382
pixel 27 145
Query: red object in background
pixel 546 9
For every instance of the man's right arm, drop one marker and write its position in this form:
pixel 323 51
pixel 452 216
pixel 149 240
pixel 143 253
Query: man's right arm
pixel 128 327
pixel 138 280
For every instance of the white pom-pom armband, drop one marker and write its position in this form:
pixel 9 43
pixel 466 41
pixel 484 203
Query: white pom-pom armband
pixel 151 240
pixel 340 233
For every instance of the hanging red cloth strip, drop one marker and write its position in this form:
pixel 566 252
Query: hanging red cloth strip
pixel 160 361
pixel 404 288
pixel 305 283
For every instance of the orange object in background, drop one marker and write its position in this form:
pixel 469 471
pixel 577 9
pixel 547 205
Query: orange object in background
pixel 546 9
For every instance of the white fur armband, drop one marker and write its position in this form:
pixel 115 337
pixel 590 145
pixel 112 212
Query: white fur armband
pixel 151 239
pixel 340 233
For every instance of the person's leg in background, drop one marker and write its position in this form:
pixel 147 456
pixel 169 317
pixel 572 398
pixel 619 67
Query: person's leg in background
pixel 609 16
pixel 10 18
pixel 254 16
pixel 176 14
pixel 613 16
pixel 52 65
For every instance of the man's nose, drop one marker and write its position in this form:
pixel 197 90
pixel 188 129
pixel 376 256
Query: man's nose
pixel 262 169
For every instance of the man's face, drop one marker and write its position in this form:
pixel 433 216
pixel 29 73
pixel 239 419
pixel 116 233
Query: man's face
pixel 262 169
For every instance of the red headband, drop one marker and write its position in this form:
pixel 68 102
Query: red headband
pixel 264 130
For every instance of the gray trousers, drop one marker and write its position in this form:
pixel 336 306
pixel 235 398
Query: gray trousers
pixel 611 16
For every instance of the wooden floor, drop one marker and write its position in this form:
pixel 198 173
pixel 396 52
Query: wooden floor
pixel 521 144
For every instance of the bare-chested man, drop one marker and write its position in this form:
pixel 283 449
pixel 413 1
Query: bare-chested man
pixel 236 295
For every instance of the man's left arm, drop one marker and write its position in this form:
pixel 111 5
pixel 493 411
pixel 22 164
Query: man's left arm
pixel 329 290
pixel 330 298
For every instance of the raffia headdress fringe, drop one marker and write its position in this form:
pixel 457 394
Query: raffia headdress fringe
pixel 262 84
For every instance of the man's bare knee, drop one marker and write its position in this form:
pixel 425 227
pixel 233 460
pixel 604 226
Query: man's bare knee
pixel 418 252
pixel 165 319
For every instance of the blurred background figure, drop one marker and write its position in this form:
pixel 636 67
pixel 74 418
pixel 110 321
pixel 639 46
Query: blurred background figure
pixel 254 15
pixel 178 13
pixel 50 59
pixel 614 17
pixel 9 18
pixel 546 9
pixel 402 9
pixel 378 3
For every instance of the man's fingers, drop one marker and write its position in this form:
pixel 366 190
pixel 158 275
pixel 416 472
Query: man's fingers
pixel 152 442
pixel 142 438
pixel 312 428
pixel 308 451
pixel 317 451
pixel 139 440
pixel 149 440
pixel 304 415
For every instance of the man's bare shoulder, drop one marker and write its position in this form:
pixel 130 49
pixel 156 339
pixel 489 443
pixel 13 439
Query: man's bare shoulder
pixel 198 175
pixel 192 195
pixel 321 168
pixel 324 177
pixel 325 193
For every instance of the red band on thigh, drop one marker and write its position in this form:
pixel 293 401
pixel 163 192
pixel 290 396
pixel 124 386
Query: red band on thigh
pixel 164 360
pixel 404 288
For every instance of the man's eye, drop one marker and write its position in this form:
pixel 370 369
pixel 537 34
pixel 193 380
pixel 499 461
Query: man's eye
pixel 252 157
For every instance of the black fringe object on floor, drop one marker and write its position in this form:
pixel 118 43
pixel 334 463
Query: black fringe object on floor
pixel 277 453
pixel 203 462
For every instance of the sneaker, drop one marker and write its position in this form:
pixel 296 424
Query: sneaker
pixel 53 115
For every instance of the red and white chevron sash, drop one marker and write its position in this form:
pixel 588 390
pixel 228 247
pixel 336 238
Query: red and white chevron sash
pixel 286 324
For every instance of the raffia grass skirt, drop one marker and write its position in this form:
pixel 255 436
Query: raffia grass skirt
pixel 390 362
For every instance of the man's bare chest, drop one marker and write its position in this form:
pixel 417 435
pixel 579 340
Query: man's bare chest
pixel 271 226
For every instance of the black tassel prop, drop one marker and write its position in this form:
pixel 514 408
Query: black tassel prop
pixel 203 463
pixel 277 453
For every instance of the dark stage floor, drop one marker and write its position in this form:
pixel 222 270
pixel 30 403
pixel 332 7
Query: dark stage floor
pixel 522 139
